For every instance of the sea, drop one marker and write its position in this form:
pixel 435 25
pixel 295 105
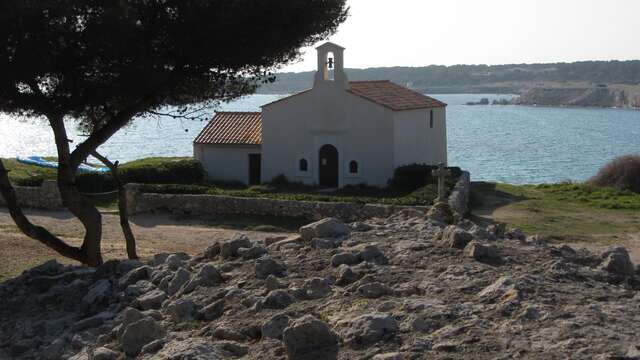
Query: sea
pixel 501 143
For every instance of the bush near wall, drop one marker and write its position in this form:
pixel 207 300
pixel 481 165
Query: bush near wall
pixel 184 171
pixel 415 176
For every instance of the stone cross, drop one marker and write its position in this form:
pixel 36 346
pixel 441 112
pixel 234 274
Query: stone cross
pixel 441 173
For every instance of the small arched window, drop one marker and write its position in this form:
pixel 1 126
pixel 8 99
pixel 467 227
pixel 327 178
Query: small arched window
pixel 353 167
pixel 431 119
pixel 303 165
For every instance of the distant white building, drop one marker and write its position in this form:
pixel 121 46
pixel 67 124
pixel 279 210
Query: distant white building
pixel 334 134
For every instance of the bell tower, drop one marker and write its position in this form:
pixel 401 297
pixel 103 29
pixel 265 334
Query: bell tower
pixel 331 66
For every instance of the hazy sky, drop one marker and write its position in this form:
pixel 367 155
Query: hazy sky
pixel 447 32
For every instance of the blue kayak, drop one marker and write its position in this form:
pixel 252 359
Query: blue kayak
pixel 39 161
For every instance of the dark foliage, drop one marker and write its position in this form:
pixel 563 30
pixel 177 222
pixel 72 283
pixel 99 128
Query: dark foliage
pixel 415 176
pixel 622 173
pixel 94 59
pixel 104 62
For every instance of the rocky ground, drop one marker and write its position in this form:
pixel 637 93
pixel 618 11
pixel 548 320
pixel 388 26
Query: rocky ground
pixel 408 287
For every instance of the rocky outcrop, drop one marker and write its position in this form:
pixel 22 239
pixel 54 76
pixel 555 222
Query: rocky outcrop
pixel 404 287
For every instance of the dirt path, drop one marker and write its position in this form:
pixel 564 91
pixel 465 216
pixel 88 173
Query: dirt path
pixel 155 233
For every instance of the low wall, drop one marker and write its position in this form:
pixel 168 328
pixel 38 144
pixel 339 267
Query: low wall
pixel 459 197
pixel 46 196
pixel 139 202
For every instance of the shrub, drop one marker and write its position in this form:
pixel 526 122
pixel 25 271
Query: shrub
pixel 415 176
pixel 163 171
pixel 622 173
pixel 95 183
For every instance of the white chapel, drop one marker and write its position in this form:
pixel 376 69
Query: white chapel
pixel 337 133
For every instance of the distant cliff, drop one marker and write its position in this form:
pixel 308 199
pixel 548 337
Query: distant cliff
pixel 598 96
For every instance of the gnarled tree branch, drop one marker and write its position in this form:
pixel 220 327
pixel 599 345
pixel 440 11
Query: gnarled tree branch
pixel 122 206
pixel 33 231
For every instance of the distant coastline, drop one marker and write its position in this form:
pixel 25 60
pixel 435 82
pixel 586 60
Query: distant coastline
pixel 606 84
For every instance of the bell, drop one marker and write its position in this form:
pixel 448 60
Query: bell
pixel 330 63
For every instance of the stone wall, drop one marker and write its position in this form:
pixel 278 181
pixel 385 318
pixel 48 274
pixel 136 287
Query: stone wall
pixel 139 202
pixel 459 198
pixel 46 196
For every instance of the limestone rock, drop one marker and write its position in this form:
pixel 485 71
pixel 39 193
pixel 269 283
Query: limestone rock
pixel 372 254
pixel 212 311
pixel 181 277
pixel 316 288
pixel 103 353
pixel 208 275
pixel 174 262
pixel 275 327
pixel 273 283
pixel 191 349
pixel 374 290
pixel 266 266
pixel 440 213
pixel 213 250
pixel 98 292
pixel 152 300
pixel 483 253
pixel 345 258
pixel 230 248
pixel 181 310
pixel 455 237
pixel 325 228
pixel 135 275
pixel 318 243
pixel 359 226
pixel 502 290
pixel 139 334
pixel 278 299
pixel 388 356
pixel 616 261
pixel 346 276
pixel 310 338
pixel 371 328
pixel 153 347
pixel 251 253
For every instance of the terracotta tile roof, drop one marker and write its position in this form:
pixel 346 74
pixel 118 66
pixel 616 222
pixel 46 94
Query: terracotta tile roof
pixel 232 128
pixel 393 96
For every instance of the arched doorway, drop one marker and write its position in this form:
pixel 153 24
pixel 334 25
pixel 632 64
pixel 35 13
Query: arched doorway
pixel 328 163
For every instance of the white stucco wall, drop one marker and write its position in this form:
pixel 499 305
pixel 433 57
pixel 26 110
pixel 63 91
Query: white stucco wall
pixel 225 162
pixel 415 142
pixel 298 127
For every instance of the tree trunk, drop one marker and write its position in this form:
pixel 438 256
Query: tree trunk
pixel 35 232
pixel 122 206
pixel 77 204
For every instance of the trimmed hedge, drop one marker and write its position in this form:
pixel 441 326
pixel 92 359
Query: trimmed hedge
pixel 163 171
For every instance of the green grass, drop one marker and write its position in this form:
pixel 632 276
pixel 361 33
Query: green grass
pixel 572 212
pixel 593 196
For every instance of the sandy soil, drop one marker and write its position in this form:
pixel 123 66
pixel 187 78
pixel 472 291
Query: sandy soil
pixel 155 233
